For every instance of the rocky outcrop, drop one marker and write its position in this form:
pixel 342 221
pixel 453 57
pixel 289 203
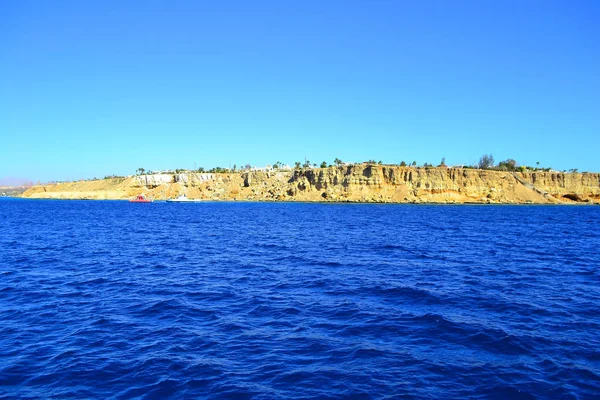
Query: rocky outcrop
pixel 357 183
pixel 571 186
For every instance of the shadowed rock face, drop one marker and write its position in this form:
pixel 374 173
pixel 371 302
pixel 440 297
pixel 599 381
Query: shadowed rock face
pixel 364 183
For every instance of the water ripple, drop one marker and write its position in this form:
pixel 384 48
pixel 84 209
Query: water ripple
pixel 243 300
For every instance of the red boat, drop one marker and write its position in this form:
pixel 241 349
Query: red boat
pixel 140 199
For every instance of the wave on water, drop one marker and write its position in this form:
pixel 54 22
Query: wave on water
pixel 248 300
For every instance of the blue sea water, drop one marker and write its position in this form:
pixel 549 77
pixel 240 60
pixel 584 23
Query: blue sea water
pixel 107 299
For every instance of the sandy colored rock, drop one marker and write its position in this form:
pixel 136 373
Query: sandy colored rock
pixel 357 183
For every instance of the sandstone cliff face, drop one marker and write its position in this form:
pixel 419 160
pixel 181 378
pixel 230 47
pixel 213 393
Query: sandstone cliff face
pixel 358 183
pixel 572 186
pixel 405 184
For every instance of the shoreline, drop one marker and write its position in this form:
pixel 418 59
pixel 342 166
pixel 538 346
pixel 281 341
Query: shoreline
pixel 571 204
pixel 354 184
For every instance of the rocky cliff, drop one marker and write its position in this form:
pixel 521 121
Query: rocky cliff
pixel 357 183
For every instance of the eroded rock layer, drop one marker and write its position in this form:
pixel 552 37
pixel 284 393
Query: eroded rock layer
pixel 357 183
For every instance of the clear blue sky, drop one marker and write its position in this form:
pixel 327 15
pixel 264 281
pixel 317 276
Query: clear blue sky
pixel 90 88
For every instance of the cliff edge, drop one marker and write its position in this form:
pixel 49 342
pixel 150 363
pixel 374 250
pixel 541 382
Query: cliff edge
pixel 356 183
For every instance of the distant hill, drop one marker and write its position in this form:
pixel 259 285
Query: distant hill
pixel 14 182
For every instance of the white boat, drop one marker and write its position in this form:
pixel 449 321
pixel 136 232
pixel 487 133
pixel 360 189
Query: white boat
pixel 182 198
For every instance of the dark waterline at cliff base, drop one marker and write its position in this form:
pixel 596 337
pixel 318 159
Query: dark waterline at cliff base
pixel 290 300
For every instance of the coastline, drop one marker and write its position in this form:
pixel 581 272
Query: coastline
pixel 416 204
pixel 362 183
